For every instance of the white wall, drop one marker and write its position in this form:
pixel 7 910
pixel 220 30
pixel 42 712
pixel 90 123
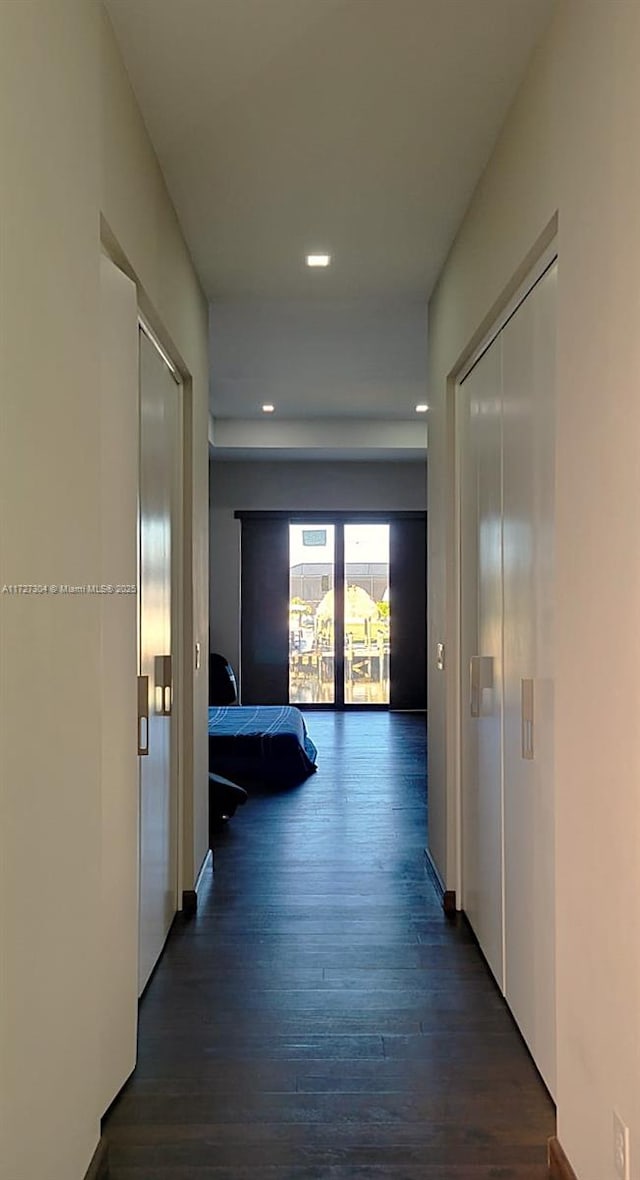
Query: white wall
pixel 50 647
pixel 345 439
pixel 284 486
pixel 63 163
pixel 570 146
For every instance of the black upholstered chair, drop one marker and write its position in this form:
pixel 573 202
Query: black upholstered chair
pixel 223 688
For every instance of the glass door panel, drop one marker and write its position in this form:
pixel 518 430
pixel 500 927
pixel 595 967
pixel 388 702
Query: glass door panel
pixel 366 614
pixel 311 614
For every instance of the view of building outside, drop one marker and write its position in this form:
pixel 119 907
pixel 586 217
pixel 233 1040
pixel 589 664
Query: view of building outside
pixel 366 614
pixel 312 614
pixel 311 645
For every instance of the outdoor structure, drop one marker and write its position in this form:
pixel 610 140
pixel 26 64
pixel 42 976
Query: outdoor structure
pixel 366 646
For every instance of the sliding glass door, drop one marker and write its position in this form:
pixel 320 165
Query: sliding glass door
pixel 339 625
pixel 312 633
pixel 367 631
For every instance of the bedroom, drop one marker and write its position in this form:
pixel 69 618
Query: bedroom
pixel 249 628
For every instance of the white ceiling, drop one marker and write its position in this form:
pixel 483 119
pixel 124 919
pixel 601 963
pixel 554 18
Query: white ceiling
pixel 359 127
pixel 318 358
pixel 356 127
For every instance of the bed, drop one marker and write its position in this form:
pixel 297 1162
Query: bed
pixel 260 745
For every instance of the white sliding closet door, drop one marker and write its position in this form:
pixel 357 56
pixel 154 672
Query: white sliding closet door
pixel 159 434
pixel 528 368
pixel 507 434
pixel 482 646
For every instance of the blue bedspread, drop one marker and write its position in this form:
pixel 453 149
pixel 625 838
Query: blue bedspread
pixel 260 744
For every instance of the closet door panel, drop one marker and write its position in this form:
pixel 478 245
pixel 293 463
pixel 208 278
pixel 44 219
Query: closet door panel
pixel 528 344
pixel 482 609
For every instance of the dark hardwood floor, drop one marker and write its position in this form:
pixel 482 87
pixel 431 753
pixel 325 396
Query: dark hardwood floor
pixel 320 1019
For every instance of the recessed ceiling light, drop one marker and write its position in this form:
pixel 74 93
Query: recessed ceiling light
pixel 318 259
pixel 422 408
pixel 268 409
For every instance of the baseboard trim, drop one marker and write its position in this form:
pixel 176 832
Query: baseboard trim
pixel 449 903
pixel 99 1167
pixel 203 868
pixel 559 1166
pixel 189 902
pixel 190 896
pixel 447 896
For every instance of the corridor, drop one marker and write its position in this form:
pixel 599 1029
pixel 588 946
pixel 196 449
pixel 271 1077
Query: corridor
pixel 319 1019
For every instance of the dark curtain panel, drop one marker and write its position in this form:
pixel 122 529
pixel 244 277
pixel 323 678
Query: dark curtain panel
pixel 264 628
pixel 408 599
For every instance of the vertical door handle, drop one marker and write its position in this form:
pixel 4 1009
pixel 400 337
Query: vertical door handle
pixel 481 676
pixel 143 715
pixel 474 669
pixel 163 684
pixel 526 711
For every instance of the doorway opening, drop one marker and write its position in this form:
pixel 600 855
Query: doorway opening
pixel 333 609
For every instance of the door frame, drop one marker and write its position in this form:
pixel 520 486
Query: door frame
pixel 178 728
pixel 188 870
pixel 543 256
pixel 339 520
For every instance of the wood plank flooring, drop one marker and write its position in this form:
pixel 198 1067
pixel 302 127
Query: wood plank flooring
pixel 319 1019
